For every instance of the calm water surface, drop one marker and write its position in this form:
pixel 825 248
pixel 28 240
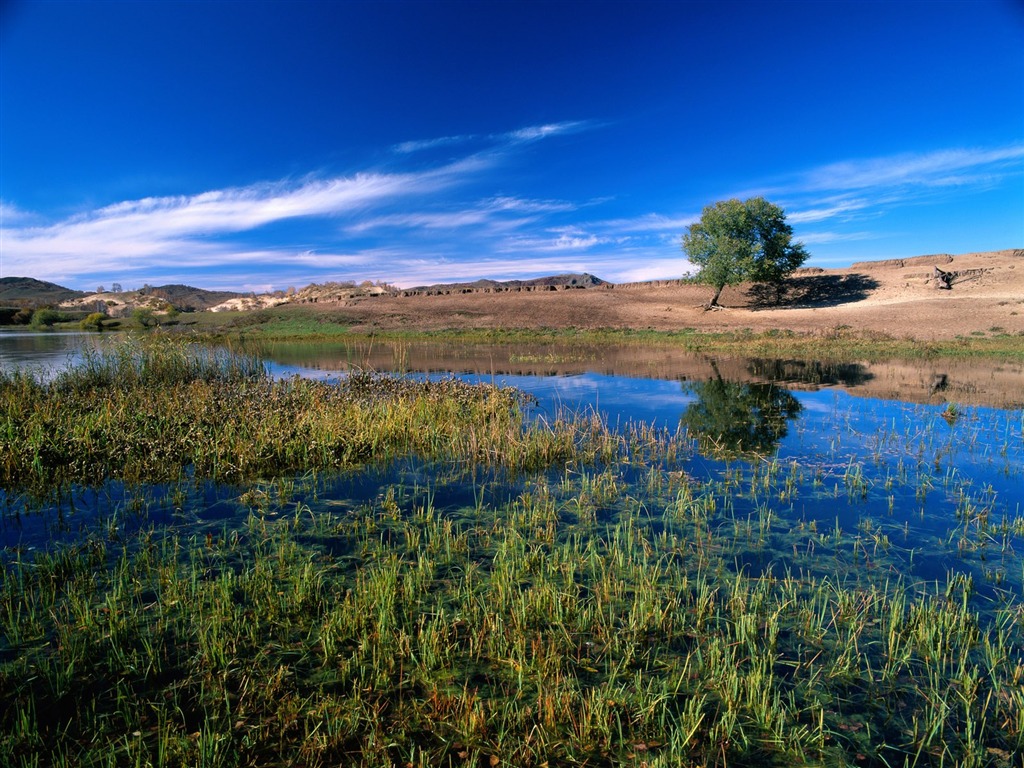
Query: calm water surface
pixel 912 484
pixel 43 351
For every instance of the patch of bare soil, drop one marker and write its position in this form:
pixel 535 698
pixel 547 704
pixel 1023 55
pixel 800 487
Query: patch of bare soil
pixel 894 297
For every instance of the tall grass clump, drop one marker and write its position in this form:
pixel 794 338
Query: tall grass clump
pixel 147 411
pixel 156 362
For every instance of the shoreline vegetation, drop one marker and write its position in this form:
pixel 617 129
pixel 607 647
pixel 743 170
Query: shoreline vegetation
pixel 832 344
pixel 587 605
pixel 143 412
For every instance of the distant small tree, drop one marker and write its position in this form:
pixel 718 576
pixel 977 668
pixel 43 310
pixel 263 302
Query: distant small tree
pixel 738 241
pixel 100 289
pixel 116 287
pixel 144 316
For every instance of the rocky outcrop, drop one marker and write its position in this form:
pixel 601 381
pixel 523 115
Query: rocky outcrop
pixel 939 258
pixel 553 283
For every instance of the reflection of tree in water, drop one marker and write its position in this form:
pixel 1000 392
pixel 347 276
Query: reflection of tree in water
pixel 809 372
pixel 731 418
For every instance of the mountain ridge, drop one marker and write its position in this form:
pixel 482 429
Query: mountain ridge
pixel 28 291
pixel 20 291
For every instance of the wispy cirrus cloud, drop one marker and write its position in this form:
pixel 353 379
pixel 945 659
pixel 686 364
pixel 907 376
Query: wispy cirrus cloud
pixel 837 204
pixel 12 214
pixel 526 205
pixel 525 135
pixel 535 132
pixel 649 223
pixel 252 228
pixel 943 168
pixel 495 214
pixel 196 229
pixel 456 219
pixel 829 209
pixel 858 188
pixel 407 147
pixel 558 239
pixel 821 238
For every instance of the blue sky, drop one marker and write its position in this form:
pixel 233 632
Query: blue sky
pixel 259 145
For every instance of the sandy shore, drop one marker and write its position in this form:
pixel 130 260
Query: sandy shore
pixel 897 298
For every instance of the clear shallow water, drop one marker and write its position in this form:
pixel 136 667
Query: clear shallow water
pixel 812 564
pixel 912 487
pixel 43 351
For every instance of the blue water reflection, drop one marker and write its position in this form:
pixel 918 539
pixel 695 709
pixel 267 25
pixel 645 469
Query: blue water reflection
pixel 933 486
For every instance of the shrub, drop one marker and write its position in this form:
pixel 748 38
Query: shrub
pixel 93 322
pixel 45 318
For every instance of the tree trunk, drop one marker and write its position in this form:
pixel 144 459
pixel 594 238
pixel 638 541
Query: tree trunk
pixel 714 299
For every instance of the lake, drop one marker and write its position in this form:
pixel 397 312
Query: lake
pixel 924 438
pixel 847 535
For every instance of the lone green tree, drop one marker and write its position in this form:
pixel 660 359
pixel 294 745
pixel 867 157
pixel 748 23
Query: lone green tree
pixel 145 317
pixel 738 241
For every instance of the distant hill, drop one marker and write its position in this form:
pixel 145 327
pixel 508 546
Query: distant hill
pixel 583 280
pixel 121 303
pixel 189 299
pixel 27 291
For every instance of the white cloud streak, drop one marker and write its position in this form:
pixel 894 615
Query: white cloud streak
pixel 403 226
pixel 821 238
pixel 854 200
pixel 535 132
pixel 186 228
pixel 519 136
pixel 651 223
pixel 12 214
pixel 201 231
pixel 407 147
pixel 830 210
pixel 497 214
pixel 942 168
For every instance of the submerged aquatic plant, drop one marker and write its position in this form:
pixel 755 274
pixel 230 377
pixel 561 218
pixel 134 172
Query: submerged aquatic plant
pixel 523 633
pixel 528 593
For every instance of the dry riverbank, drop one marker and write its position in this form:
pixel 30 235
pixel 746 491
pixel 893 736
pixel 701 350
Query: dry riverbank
pixel 897 298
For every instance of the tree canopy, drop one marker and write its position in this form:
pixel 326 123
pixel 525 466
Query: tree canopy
pixel 736 241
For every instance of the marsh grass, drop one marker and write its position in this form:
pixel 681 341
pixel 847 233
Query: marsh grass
pixel 588 604
pixel 832 344
pixel 144 412
pixel 528 632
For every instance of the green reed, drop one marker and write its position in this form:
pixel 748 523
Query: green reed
pixel 143 412
pixel 524 633
pixel 609 610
